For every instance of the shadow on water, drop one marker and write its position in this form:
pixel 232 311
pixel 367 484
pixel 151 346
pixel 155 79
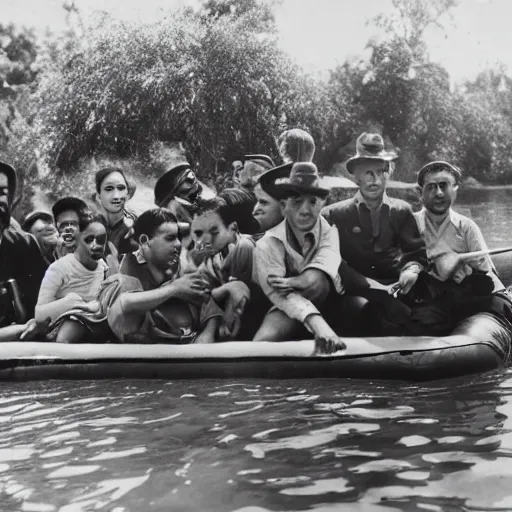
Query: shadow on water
pixel 293 445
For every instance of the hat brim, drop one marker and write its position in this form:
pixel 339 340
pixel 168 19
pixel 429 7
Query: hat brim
pixel 177 169
pixel 388 156
pixel 267 180
pixel 286 189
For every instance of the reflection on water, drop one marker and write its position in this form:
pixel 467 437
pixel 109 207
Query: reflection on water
pixel 293 445
pixel 323 445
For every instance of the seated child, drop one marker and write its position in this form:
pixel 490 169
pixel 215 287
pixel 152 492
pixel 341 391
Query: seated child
pixel 150 301
pixel 68 292
pixel 224 258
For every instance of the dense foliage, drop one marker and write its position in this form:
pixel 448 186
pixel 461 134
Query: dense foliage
pixel 215 80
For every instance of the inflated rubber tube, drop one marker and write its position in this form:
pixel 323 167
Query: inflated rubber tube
pixel 478 344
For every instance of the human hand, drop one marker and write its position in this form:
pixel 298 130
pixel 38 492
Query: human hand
pixel 328 343
pixel 192 288
pixel 33 328
pixel 326 340
pixel 280 284
pixel 92 306
pixel 407 279
pixel 238 296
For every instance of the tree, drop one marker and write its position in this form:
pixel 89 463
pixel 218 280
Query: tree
pixel 217 83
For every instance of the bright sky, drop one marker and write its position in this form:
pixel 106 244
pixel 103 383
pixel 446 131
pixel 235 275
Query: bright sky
pixel 320 33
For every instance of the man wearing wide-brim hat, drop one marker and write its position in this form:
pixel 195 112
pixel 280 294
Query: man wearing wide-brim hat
pixel 379 238
pixel 302 247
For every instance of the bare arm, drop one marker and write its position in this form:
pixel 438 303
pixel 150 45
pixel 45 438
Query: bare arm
pixel 189 288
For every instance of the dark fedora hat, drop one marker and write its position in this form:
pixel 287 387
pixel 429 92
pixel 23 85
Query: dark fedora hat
pixel 370 146
pixel 303 179
pixel 68 203
pixel 12 179
pixel 267 180
pixel 168 183
pixel 438 166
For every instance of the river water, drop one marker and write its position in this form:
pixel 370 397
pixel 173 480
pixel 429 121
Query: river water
pixel 322 445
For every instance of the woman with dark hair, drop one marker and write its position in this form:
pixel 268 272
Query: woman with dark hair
pixel 113 190
pixel 68 292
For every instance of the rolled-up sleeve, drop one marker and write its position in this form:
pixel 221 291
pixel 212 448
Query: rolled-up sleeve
pixel 269 259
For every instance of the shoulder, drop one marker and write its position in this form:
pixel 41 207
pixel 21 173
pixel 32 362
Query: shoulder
pixel 399 205
pixel 464 223
pixel 64 263
pixel 129 264
pixel 338 207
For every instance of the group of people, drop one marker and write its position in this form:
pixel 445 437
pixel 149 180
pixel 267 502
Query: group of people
pixel 265 260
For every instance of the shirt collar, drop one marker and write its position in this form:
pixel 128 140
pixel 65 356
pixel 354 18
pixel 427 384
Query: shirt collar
pixel 281 231
pixel 359 199
pixel 455 218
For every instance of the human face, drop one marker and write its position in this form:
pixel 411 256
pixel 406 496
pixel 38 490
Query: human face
pixel 4 189
pixel 303 211
pixel 189 187
pixel 45 233
pixel 371 177
pixel 210 234
pixel 67 226
pixel 164 248
pixel 267 210
pixel 439 191
pixel 91 243
pixel 113 192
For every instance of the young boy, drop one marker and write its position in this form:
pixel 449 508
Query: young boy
pixel 149 300
pixel 296 263
pixel 224 258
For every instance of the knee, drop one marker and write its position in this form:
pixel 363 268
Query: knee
pixel 319 290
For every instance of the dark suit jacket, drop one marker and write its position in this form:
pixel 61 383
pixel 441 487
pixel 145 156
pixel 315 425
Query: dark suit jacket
pixel 382 253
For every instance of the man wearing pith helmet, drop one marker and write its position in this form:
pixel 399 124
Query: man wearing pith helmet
pixel 467 286
pixel 296 264
pixel 379 238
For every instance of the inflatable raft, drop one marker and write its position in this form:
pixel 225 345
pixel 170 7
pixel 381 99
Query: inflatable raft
pixel 478 344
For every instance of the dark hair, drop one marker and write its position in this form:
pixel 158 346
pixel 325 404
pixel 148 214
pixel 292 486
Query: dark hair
pixel 33 217
pixel 239 205
pixel 87 217
pixel 103 173
pixel 151 220
pixel 69 203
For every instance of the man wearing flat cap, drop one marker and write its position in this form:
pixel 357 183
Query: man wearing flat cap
pixel 379 238
pixel 302 247
pixel 461 287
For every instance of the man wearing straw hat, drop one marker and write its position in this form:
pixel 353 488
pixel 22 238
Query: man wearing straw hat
pixel 379 240
pixel 465 283
pixel 303 243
